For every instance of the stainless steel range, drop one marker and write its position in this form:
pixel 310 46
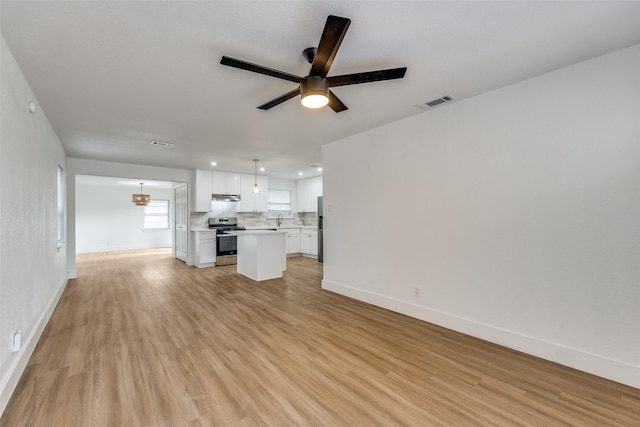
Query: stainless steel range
pixel 226 243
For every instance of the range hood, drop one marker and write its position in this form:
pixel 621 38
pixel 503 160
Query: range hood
pixel 226 197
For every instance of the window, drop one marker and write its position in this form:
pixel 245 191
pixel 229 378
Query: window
pixel 279 203
pixel 61 212
pixel 156 215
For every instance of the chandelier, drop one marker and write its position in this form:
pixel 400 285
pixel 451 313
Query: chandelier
pixel 141 199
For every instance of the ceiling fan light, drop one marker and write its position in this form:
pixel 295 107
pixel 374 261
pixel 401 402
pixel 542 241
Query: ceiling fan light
pixel 315 101
pixel 314 92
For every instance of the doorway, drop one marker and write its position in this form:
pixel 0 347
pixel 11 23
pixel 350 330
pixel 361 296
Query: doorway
pixel 107 220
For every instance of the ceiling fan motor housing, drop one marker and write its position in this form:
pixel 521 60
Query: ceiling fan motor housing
pixel 314 85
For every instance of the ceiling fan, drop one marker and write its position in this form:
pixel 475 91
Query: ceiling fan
pixel 315 88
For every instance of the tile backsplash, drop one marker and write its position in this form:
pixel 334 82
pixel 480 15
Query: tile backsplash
pixel 251 219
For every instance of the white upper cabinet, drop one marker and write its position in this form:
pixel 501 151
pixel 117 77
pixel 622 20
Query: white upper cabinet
pixel 308 191
pixel 203 190
pixel 214 182
pixel 250 201
pixel 225 182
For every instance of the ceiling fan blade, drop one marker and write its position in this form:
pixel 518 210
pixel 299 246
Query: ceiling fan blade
pixel 367 77
pixel 334 30
pixel 335 103
pixel 280 99
pixel 243 65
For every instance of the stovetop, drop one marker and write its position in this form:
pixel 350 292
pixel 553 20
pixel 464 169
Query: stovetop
pixel 225 230
pixel 224 225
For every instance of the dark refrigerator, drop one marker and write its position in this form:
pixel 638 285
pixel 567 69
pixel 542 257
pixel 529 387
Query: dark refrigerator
pixel 320 252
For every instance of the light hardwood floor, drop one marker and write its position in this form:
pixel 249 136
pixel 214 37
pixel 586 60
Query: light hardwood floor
pixel 140 339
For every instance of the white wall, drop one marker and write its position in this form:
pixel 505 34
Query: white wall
pixel 107 220
pixel 519 215
pixel 33 271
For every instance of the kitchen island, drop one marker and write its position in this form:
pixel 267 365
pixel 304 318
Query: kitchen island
pixel 261 254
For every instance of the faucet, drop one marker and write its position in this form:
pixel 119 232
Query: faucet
pixel 279 220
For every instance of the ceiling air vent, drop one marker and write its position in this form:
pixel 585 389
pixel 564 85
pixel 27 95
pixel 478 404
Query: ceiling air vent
pixel 162 144
pixel 439 101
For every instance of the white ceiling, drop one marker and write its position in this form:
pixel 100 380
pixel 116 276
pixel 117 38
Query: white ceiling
pixel 134 184
pixel 112 76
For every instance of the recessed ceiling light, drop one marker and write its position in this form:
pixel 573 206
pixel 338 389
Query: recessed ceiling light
pixel 319 169
pixel 214 164
pixel 262 169
pixel 300 173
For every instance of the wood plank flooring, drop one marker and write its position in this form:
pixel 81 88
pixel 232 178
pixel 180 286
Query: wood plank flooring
pixel 140 339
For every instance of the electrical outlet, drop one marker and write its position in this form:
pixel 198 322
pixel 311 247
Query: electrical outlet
pixel 416 292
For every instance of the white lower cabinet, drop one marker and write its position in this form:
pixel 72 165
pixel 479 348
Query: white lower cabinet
pixel 293 241
pixel 309 242
pixel 301 241
pixel 314 243
pixel 205 245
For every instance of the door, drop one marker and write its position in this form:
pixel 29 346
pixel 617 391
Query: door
pixel 181 238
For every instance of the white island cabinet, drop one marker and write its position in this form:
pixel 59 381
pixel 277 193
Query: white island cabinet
pixel 261 254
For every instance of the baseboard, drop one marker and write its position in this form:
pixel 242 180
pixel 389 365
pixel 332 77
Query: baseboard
pixel 19 363
pixel 614 370
pixel 115 249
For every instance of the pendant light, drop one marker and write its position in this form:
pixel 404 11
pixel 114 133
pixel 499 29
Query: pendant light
pixel 256 189
pixel 141 199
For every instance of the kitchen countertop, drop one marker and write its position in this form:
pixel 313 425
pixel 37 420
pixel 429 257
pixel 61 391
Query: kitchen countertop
pixel 282 227
pixel 239 232
pixel 201 228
